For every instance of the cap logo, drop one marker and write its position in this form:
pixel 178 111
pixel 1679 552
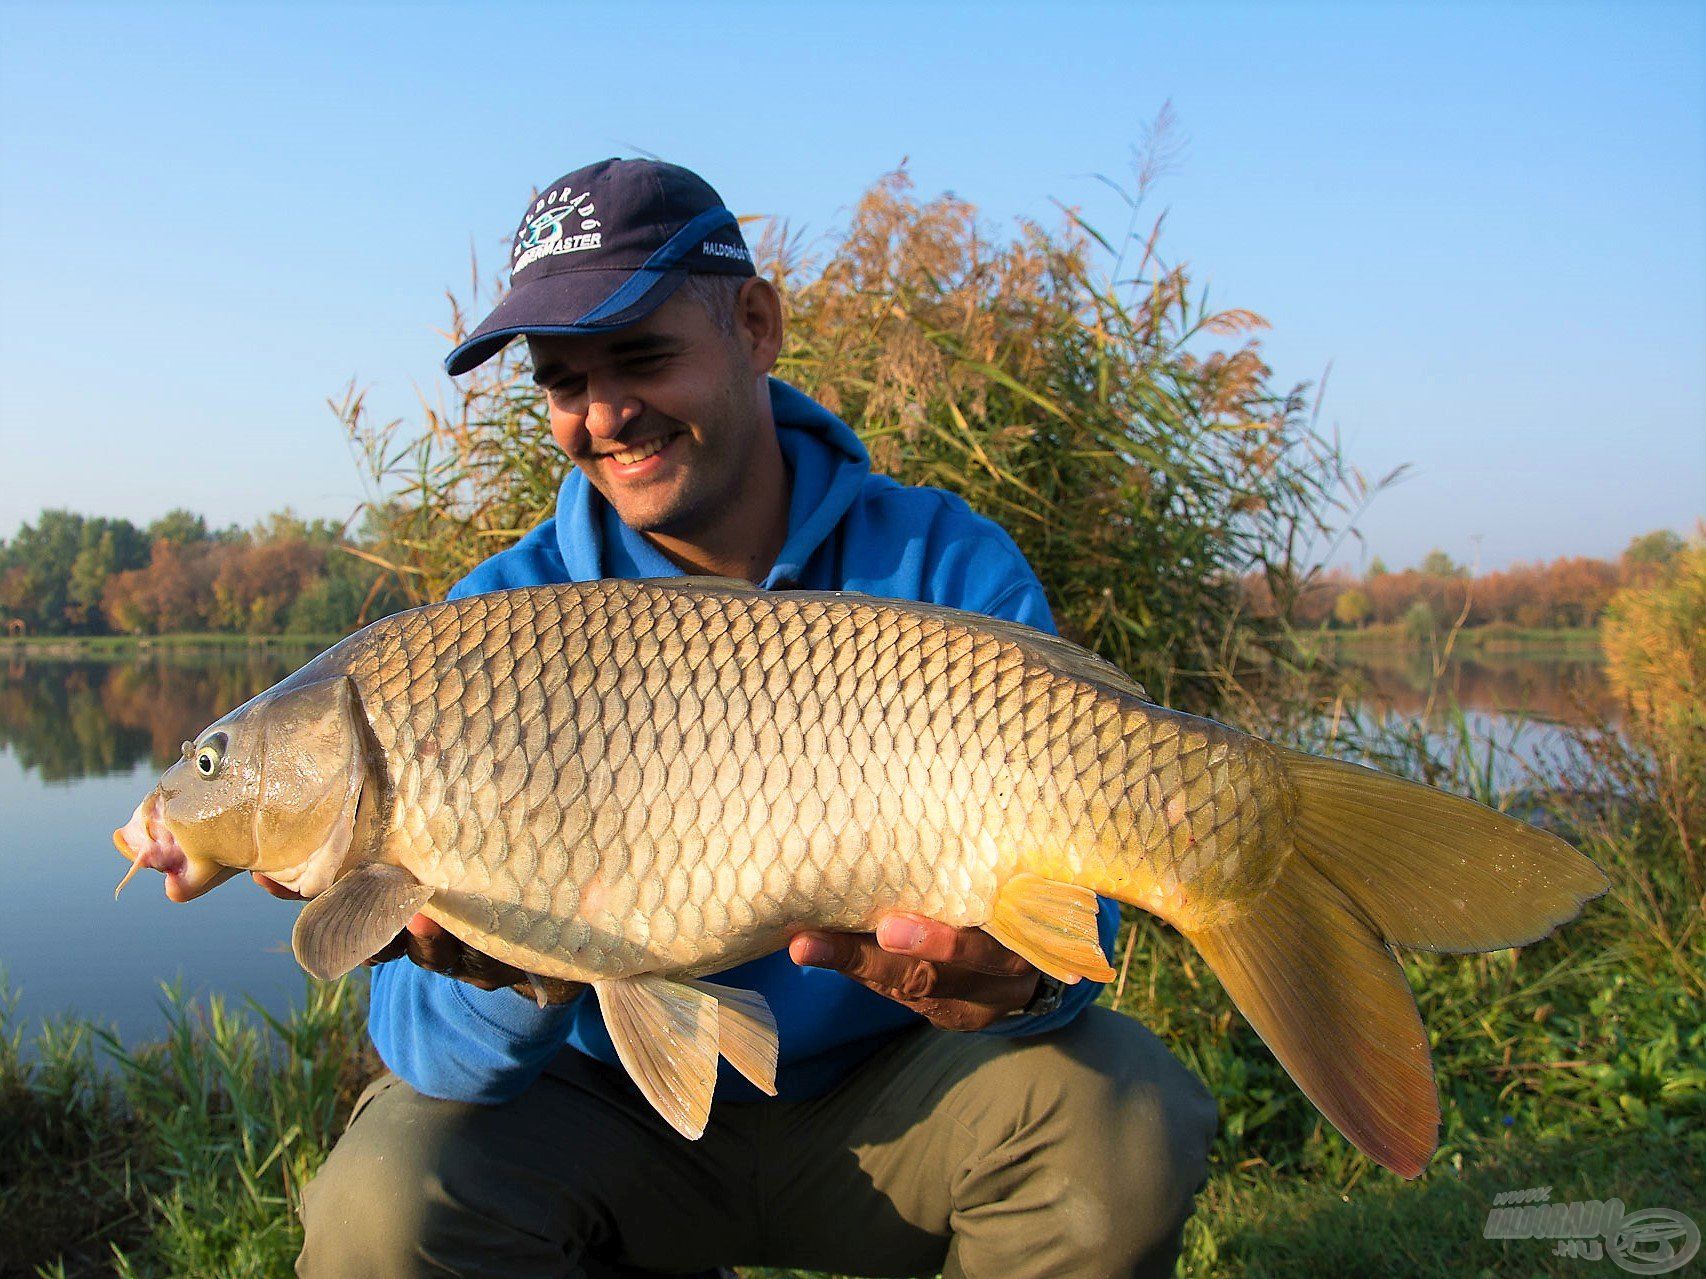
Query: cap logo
pixel 544 234
pixel 718 249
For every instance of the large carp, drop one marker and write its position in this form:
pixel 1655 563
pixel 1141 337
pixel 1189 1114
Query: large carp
pixel 633 784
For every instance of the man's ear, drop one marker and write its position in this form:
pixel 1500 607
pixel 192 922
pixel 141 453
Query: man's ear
pixel 758 322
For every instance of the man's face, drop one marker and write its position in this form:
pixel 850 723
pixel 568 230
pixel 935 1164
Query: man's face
pixel 661 416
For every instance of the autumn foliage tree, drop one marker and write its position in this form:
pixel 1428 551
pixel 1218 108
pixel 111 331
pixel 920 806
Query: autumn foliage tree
pixel 69 573
pixel 1573 591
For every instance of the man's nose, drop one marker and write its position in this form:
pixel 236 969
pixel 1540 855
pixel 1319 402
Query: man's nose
pixel 608 410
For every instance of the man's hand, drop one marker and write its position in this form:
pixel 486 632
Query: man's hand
pixel 425 942
pixel 959 978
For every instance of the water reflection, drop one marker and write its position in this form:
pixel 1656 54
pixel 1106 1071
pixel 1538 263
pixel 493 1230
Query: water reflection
pixel 71 718
pixel 1566 690
pixel 81 741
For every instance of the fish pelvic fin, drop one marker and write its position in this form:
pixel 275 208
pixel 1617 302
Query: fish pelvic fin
pixel 746 1033
pixel 1310 973
pixel 354 918
pixel 665 1033
pixel 1052 924
pixel 1434 871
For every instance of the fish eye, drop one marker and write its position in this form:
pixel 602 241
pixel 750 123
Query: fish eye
pixel 210 755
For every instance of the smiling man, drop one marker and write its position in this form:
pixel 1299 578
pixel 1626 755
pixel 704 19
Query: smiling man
pixel 942 1106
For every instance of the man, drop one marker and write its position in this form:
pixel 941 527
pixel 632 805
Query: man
pixel 941 1105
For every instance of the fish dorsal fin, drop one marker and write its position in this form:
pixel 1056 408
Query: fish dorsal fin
pixel 354 918
pixel 666 1037
pixel 1061 654
pixel 746 1033
pixel 1052 924
pixel 705 581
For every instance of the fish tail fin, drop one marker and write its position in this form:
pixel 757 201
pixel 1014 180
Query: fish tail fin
pixel 1434 871
pixel 1326 995
pixel 1379 862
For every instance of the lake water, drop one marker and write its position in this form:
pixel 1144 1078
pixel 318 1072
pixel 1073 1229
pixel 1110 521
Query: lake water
pixel 82 741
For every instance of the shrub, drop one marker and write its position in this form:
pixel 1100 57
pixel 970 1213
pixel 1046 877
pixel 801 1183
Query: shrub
pixel 1654 638
pixel 1126 435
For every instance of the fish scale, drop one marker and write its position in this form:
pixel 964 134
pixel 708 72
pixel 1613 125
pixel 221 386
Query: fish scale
pixel 849 757
pixel 631 784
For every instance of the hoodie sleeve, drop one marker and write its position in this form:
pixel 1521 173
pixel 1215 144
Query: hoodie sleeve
pixel 992 577
pixel 446 1038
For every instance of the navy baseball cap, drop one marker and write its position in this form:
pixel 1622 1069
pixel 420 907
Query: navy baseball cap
pixel 603 246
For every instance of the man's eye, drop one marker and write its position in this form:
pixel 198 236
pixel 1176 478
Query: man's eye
pixel 562 392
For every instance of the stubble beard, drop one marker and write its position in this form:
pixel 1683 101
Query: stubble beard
pixel 710 479
pixel 704 488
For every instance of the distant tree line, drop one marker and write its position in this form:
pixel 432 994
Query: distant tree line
pixel 1568 592
pixel 71 574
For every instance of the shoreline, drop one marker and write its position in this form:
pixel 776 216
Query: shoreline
pixel 107 645
pixel 1581 642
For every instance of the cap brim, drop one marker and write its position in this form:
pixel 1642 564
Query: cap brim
pixel 570 302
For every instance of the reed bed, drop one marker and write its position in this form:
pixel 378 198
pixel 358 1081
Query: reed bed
pixel 1076 387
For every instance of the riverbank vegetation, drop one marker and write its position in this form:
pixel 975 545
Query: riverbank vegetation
pixel 1561 601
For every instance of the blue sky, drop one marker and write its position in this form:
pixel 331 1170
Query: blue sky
pixel 1490 220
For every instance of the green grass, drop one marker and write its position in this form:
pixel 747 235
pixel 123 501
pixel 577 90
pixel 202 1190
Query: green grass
pixel 1578 1063
pixel 181 1158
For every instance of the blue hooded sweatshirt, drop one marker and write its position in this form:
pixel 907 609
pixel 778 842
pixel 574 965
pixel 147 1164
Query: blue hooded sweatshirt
pixel 848 530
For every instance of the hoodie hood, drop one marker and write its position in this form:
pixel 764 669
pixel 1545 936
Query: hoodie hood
pixel 827 466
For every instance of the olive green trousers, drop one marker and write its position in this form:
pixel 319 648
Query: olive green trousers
pixel 1066 1155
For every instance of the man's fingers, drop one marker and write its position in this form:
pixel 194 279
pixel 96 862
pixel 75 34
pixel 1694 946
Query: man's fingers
pixel 911 980
pixel 489 974
pixel 430 946
pixel 426 942
pixel 904 934
pixel 855 955
pixel 396 948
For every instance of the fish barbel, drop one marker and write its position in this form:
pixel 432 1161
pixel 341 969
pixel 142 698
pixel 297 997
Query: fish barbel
pixel 633 784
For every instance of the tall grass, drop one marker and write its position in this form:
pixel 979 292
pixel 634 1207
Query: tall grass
pixel 182 1158
pixel 1074 386
pixel 1655 644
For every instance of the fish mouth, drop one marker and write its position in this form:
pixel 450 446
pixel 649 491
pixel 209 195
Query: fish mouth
pixel 149 843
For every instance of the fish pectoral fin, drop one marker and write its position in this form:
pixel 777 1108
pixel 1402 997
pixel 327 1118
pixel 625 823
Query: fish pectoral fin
pixel 746 1033
pixel 665 1034
pixel 354 918
pixel 1052 924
